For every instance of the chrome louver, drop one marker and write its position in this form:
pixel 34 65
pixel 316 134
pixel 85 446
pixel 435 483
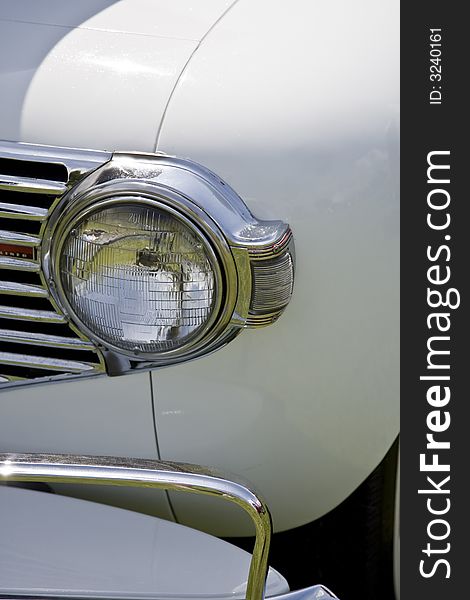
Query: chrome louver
pixel 36 340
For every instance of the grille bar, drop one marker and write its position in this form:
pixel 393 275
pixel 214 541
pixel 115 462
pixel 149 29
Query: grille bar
pixel 9 378
pixel 19 239
pixel 19 264
pixel 22 289
pixel 42 339
pixel 75 160
pixel 27 314
pixel 37 341
pixel 49 364
pixel 17 211
pixel 12 183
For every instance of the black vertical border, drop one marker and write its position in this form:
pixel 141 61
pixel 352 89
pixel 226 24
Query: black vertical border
pixel 425 128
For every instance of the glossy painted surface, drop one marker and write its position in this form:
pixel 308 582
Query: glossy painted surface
pixel 112 552
pixel 299 115
pixel 296 106
pixel 95 73
pixel 103 416
pixel 182 19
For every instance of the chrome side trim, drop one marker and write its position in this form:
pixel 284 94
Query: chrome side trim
pixel 47 363
pixel 273 249
pixel 155 474
pixel 256 321
pixel 12 183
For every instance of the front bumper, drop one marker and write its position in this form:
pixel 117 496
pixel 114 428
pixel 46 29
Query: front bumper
pixel 182 477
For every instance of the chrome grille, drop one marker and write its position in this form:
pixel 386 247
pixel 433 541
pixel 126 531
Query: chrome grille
pixel 36 340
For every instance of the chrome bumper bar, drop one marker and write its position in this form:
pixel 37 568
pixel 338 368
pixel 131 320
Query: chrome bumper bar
pixel 133 472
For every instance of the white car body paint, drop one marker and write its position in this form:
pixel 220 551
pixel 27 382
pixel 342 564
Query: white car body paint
pixel 99 416
pixel 302 120
pixel 94 74
pixel 296 106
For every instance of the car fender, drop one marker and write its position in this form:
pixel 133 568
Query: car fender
pixel 296 106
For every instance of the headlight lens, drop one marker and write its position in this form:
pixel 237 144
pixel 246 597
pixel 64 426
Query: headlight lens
pixel 140 278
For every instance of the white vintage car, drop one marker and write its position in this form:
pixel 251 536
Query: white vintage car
pixel 213 180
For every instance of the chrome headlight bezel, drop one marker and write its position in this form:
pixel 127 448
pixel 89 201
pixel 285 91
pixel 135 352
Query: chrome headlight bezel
pixel 236 243
pixel 101 201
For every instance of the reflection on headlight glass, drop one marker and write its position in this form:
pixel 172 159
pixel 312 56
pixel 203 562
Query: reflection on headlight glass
pixel 138 278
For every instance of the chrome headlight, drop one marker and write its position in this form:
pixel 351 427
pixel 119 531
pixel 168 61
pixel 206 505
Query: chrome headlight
pixel 143 279
pixel 157 260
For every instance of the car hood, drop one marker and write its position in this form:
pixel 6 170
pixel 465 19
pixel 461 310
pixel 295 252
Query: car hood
pixel 97 73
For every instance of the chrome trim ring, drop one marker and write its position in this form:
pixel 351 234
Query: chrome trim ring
pixel 106 198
